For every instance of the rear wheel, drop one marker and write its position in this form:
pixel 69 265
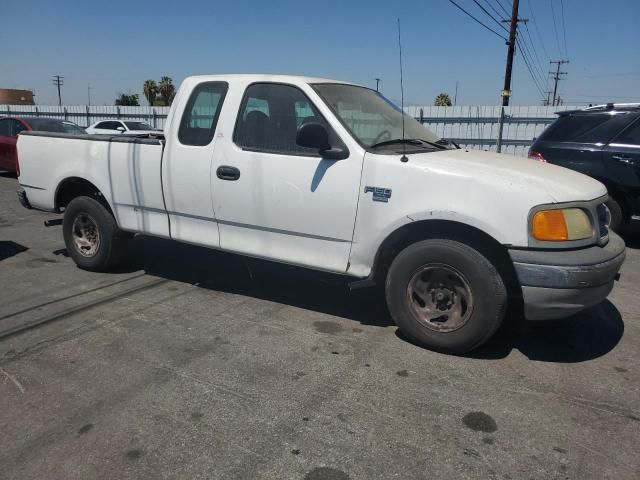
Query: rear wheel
pixel 445 295
pixel 92 236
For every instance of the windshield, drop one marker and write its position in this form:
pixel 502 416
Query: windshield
pixel 371 118
pixel 138 126
pixel 53 125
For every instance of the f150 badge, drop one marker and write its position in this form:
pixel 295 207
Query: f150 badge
pixel 380 194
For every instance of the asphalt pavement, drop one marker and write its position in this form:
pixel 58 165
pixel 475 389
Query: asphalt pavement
pixel 190 363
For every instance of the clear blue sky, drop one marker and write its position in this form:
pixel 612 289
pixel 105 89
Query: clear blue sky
pixel 115 45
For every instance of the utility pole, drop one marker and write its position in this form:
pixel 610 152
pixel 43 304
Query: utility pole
pixel 557 78
pixel 547 101
pixel 89 94
pixel 506 91
pixel 58 81
pixel 377 84
pixel 455 97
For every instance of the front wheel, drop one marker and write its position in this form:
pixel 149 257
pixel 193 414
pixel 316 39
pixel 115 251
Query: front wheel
pixel 445 295
pixel 92 236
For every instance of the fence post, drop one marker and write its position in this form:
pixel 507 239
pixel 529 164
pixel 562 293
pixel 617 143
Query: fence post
pixel 37 111
pixel 421 116
pixel 118 112
pixel 500 128
pixel 155 125
pixel 65 113
pixel 88 116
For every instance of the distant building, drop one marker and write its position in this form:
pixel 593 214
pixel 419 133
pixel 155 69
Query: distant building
pixel 10 96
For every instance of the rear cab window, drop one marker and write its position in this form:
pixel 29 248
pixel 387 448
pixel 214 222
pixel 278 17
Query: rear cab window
pixel 200 116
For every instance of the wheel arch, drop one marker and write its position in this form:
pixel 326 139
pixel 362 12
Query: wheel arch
pixel 618 193
pixel 73 187
pixel 416 231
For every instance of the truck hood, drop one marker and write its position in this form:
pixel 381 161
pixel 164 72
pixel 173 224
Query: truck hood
pixel 560 184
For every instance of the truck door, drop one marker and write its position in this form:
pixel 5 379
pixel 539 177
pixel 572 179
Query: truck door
pixel 275 199
pixel 186 165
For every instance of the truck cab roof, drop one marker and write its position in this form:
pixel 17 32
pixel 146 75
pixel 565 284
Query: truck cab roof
pixel 264 77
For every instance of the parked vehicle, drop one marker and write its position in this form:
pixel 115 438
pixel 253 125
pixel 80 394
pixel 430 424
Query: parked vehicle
pixel 121 127
pixel 331 176
pixel 604 143
pixel 10 127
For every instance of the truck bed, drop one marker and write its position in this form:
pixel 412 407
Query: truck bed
pixel 49 159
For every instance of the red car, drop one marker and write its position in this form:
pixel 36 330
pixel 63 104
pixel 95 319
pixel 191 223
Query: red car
pixel 10 127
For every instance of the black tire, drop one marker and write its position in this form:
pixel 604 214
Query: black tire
pixel 485 308
pixel 617 215
pixel 99 255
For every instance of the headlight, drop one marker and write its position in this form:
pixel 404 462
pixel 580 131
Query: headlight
pixel 561 225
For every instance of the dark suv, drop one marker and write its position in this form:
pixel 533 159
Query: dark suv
pixel 604 143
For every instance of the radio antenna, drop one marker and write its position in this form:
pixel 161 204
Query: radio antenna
pixel 404 145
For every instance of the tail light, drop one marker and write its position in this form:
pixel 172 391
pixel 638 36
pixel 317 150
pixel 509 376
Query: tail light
pixel 537 156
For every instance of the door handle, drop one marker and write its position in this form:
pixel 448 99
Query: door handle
pixel 225 172
pixel 622 158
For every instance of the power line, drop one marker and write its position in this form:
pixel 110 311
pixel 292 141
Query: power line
pixel 535 57
pixel 564 29
pixel 555 28
pixel 526 62
pixel 535 24
pixel 506 12
pixel 478 21
pixel 524 48
pixel 490 5
pixel 490 16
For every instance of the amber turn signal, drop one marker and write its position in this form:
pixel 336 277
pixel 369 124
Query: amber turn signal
pixel 561 225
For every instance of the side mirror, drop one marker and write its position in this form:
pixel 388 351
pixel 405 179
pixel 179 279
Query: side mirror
pixel 120 129
pixel 314 135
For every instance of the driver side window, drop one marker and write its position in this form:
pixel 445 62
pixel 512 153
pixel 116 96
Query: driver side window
pixel 269 118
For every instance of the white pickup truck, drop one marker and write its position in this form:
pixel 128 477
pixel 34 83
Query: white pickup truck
pixel 331 176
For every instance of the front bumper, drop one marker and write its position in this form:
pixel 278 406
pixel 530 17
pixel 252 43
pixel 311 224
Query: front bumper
pixel 560 283
pixel 22 198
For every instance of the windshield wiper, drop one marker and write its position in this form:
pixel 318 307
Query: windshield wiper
pixel 409 141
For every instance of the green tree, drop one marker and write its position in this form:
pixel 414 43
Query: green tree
pixel 167 90
pixel 150 90
pixel 128 100
pixel 442 100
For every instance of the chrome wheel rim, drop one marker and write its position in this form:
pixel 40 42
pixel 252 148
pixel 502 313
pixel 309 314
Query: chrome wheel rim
pixel 86 236
pixel 439 297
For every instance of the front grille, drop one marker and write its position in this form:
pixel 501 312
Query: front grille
pixel 604 219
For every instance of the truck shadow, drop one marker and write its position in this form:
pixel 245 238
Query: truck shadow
pixel 261 279
pixel 586 336
pixel 582 337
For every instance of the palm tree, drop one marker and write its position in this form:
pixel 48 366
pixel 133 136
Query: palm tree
pixel 150 90
pixel 167 90
pixel 442 100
